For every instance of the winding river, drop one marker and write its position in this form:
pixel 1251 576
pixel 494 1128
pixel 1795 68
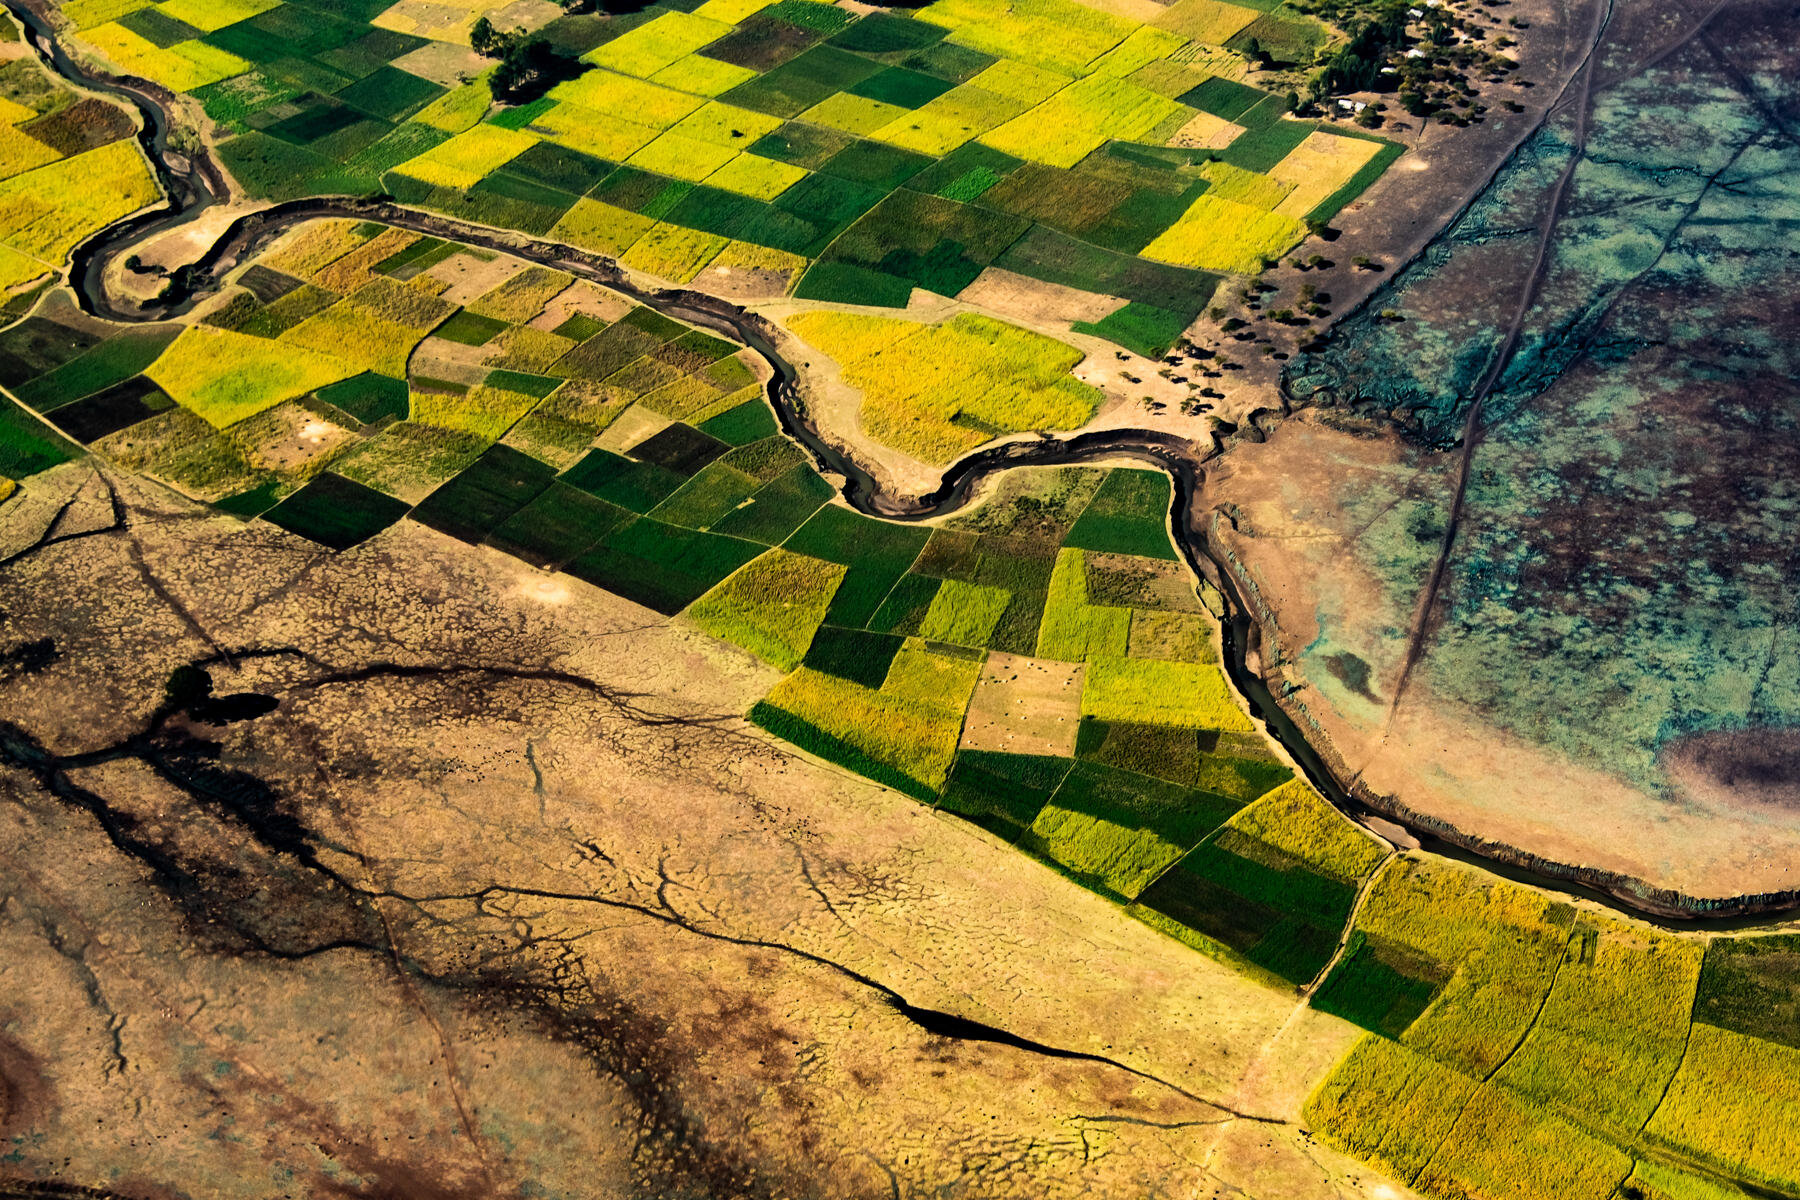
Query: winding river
pixel 193 183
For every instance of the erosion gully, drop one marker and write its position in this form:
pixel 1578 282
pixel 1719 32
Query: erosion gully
pixel 193 182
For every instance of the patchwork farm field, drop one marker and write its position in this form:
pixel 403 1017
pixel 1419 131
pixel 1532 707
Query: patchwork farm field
pixel 1038 665
pixel 862 155
pixel 68 167
pixel 1036 674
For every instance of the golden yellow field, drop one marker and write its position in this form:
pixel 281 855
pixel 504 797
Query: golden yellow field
pixel 916 736
pixel 941 125
pixel 180 68
pixel 353 334
pixel 308 248
pixel 464 160
pixel 457 109
pixel 1388 1106
pixel 225 376
pixel 208 15
pixel 1069 125
pixel 592 131
pixel 1614 1027
pixel 46 212
pixel 1245 187
pixel 1502 1148
pixel 1223 235
pixel 1156 692
pixel 1209 21
pixel 753 175
pixel 1501 942
pixel 1072 629
pixel 1317 167
pixel 935 391
pixel 486 411
pixel 602 228
pixel 657 44
pixel 1059 34
pixel 1736 1100
pixel 853 114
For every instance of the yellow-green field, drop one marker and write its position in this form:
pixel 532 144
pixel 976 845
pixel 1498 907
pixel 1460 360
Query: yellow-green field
pixel 46 212
pixel 936 391
pixel 771 607
pixel 1217 234
pixel 225 376
pixel 1296 820
pixel 1157 692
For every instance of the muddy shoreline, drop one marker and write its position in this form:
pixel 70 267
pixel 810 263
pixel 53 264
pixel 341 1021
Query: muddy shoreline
pixel 196 184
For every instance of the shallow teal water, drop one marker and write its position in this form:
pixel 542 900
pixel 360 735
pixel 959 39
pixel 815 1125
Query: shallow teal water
pixel 1628 554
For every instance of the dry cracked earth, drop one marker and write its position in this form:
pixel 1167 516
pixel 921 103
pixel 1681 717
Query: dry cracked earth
pixel 413 872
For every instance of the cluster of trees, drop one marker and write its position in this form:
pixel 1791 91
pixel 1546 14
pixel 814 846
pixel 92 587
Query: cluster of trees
pixel 1378 56
pixel 527 67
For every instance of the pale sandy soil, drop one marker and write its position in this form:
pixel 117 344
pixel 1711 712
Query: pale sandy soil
pixel 1296 538
pixel 540 915
pixel 1025 706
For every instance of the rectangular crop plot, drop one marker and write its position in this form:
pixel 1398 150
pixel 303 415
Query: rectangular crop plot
pixel 782 506
pixel 470 329
pixel 556 526
pixel 901 87
pixel 820 18
pixel 771 607
pixel 638 486
pixel 930 242
pixel 708 497
pixel 1379 986
pixel 1025 706
pixel 36 345
pixel 1751 985
pixel 874 165
pixel 1613 1029
pixel 903 734
pixel 1002 793
pixel 1260 149
pixel 885 33
pixel 904 609
pixel 608 351
pixel 1389 1106
pixel 854 654
pixel 497 485
pixel 1128 515
pixel 1265 905
pixel 663 567
pixel 118 407
pixel 26 446
pixel 877 553
pixel 369 397
pixel 112 361
pixel 1160 693
pixel 1055 257
pixel 799 144
pixel 1119 830
pixel 1142 328
pixel 760 43
pixel 559 167
pixel 749 422
pixel 336 512
pixel 390 93
pixel 1224 98
pixel 679 448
